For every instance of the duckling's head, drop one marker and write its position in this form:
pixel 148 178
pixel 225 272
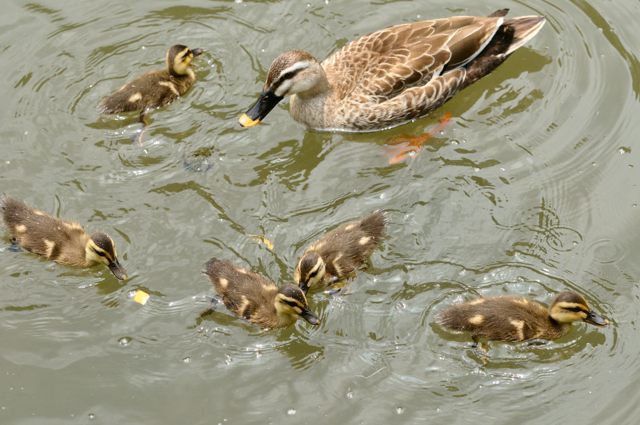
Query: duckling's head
pixel 568 307
pixel 293 72
pixel 101 249
pixel 179 59
pixel 310 270
pixel 291 302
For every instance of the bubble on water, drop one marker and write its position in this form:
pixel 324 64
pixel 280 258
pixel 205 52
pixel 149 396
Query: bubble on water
pixel 349 395
pixel 186 360
pixel 399 410
pixel 124 341
pixel 624 149
pixel 291 412
pixel 91 416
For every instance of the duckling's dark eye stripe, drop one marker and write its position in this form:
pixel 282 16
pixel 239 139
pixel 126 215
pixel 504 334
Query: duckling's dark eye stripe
pixel 100 253
pixel 574 309
pixel 292 303
pixel 313 273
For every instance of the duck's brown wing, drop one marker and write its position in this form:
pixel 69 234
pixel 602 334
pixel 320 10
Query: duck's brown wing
pixel 386 62
pixel 405 71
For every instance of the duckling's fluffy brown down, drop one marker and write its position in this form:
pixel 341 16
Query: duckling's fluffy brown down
pixel 506 318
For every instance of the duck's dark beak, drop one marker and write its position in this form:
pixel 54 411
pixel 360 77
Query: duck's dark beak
pixel 304 287
pixel 595 319
pixel 197 51
pixel 310 317
pixel 266 102
pixel 118 271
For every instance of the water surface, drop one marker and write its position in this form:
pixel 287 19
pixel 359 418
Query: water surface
pixel 531 189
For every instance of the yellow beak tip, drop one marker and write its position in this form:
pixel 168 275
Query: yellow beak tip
pixel 247 122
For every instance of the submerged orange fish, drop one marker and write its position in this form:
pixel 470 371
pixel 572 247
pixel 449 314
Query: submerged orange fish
pixel 402 147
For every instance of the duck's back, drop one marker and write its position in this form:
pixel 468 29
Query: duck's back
pixel 151 90
pixel 245 293
pixel 40 233
pixel 388 61
pixel 348 247
pixel 502 319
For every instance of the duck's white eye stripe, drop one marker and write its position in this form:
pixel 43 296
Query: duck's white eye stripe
pixel 283 88
pixel 294 68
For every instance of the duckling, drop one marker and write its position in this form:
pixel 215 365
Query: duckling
pixel 511 318
pixel 62 241
pixel 155 88
pixel 257 299
pixel 340 252
pixel 391 76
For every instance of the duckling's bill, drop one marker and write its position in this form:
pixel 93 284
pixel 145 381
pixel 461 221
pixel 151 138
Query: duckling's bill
pixel 595 319
pixel 118 271
pixel 265 103
pixel 310 317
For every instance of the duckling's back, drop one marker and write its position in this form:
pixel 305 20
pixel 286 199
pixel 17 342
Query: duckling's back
pixel 37 231
pixel 151 90
pixel 501 319
pixel 352 243
pixel 243 292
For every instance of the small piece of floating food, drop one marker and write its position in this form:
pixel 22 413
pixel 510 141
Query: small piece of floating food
pixel 340 252
pixel 155 88
pixel 257 299
pixel 510 318
pixel 62 241
pixel 391 76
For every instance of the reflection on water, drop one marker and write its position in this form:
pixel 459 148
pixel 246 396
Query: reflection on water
pixel 530 189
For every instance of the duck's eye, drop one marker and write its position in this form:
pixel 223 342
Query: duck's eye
pixel 100 253
pixel 313 274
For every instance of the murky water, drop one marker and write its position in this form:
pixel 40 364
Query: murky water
pixel 531 189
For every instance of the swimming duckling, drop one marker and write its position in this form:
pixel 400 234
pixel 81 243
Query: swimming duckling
pixel 155 88
pixel 393 75
pixel 510 318
pixel 62 241
pixel 257 299
pixel 339 253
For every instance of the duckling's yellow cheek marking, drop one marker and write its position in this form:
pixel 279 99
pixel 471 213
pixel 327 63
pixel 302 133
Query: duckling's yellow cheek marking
pixel 21 228
pixel 477 320
pixel 135 97
pixel 476 302
pixel 170 86
pixel 50 245
pixel 364 240
pixel 223 283
pixel 519 325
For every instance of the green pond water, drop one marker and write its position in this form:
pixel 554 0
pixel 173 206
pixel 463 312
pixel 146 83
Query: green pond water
pixel 531 189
